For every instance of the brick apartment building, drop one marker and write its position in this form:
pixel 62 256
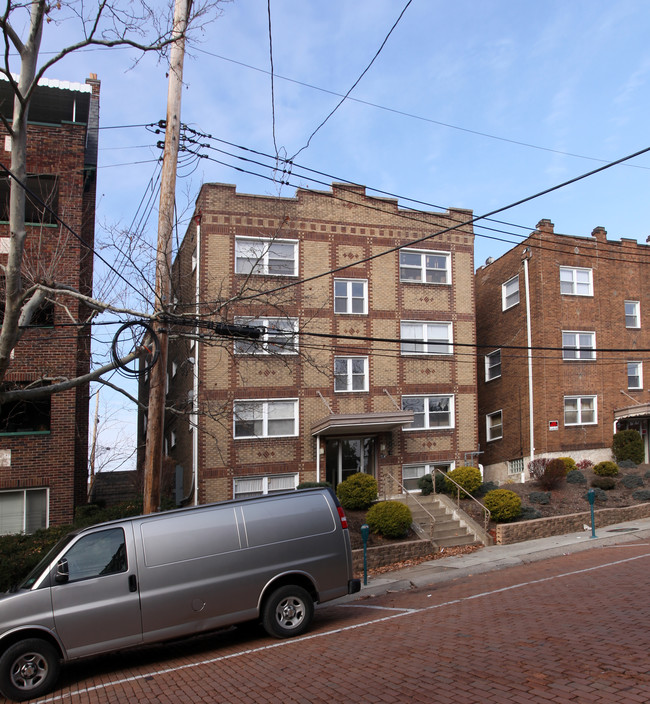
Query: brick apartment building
pixel 43 445
pixel 328 390
pixel 585 300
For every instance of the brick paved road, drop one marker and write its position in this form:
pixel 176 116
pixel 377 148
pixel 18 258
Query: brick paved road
pixel 570 629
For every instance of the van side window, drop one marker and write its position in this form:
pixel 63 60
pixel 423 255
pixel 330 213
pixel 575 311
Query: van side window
pixel 97 554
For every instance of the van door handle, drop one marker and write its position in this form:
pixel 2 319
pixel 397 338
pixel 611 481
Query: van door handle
pixel 133 583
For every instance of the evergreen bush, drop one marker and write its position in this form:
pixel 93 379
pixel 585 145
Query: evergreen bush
pixel 569 464
pixel 313 485
pixel 604 483
pixel 599 495
pixel 357 492
pixel 469 478
pixel 392 519
pixel 606 469
pixel 504 505
pixel 425 484
pixel 540 497
pixel 484 488
pixel 641 495
pixel 632 481
pixel 529 513
pixel 576 477
pixel 628 445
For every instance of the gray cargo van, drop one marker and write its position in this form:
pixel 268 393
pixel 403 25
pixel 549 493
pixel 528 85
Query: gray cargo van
pixel 166 575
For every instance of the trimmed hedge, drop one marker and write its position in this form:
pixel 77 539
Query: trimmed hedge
pixel 504 505
pixel 357 492
pixel 606 469
pixel 628 445
pixel 392 519
pixel 468 477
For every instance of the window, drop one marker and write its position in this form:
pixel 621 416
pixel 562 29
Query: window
pixel 632 314
pixel 635 375
pixel 578 345
pixel 424 266
pixel 262 419
pixel 576 282
pixel 580 410
pixel 411 473
pixel 45 190
pixel 430 412
pixel 494 425
pixel 258 486
pixel 97 555
pixel 25 416
pixel 23 511
pixel 428 338
pixel 350 374
pixel 493 365
pixel 279 336
pixel 510 293
pixel 516 466
pixel 265 256
pixel 351 296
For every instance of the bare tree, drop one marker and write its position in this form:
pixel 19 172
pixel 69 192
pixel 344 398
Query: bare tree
pixel 107 23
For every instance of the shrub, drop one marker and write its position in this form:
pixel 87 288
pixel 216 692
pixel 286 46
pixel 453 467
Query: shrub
pixel 425 484
pixel 647 474
pixel 606 469
pixel 529 513
pixel 604 483
pixel 641 495
pixel 553 474
pixel 485 487
pixel 599 495
pixel 585 464
pixel 576 477
pixel 627 464
pixel 569 464
pixel 504 505
pixel 313 485
pixel 537 467
pixel 632 481
pixel 469 479
pixel 357 492
pixel 540 497
pixel 628 445
pixel 392 519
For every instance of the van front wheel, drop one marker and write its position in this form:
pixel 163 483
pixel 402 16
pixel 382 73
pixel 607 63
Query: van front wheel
pixel 288 612
pixel 28 669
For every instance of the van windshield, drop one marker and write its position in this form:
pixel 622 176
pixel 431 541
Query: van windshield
pixel 42 566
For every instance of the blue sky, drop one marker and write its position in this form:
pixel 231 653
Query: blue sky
pixel 442 116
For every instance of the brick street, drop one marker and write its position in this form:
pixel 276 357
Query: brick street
pixel 568 629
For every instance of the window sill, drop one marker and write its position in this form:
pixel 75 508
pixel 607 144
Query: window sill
pixel 25 432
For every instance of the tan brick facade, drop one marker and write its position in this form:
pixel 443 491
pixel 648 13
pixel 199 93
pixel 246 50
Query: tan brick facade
pixel 339 234
pixel 576 401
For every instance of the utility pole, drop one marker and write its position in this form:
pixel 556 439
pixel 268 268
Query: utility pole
pixel 158 376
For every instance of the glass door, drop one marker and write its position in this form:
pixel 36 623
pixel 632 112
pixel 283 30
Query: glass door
pixel 347 456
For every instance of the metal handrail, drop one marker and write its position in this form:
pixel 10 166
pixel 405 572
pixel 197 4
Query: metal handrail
pixel 486 512
pixel 411 496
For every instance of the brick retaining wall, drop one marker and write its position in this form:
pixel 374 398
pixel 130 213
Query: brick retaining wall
pixel 389 554
pixel 507 533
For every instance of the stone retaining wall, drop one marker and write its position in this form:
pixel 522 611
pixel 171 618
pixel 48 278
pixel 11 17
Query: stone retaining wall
pixel 507 533
pixel 389 554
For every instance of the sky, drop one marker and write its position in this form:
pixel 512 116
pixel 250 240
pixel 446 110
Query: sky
pixel 473 104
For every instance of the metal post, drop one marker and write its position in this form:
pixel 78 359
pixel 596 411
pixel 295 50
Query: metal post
pixel 591 495
pixel 365 532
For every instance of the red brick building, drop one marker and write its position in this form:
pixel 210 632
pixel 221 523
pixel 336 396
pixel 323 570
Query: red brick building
pixel 44 445
pixel 580 305
pixel 361 366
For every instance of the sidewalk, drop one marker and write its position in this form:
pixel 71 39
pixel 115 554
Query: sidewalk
pixel 497 557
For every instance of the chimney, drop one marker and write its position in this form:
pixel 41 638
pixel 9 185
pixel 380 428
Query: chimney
pixel 545 225
pixel 600 233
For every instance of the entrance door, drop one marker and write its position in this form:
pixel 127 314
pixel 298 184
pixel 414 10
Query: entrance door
pixel 347 456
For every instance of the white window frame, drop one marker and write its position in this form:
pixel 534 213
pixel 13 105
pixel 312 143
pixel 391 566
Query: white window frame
pixel 270 341
pixel 490 365
pixel 579 411
pixel 261 411
pixel 638 376
pixel 516 466
pixel 580 347
pixel 344 378
pixel 421 333
pixel 422 273
pixel 491 428
pixel 22 497
pixel 570 285
pixel 508 292
pixel 263 485
pixel 427 410
pixel 347 300
pixel 635 315
pixel 420 469
pixel 255 255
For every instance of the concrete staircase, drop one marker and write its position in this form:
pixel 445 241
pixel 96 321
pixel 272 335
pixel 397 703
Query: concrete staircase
pixel 451 526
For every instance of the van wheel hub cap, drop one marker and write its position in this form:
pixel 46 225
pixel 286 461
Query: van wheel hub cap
pixel 29 671
pixel 290 612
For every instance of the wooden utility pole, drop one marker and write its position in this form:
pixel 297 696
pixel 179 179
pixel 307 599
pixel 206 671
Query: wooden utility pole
pixel 158 376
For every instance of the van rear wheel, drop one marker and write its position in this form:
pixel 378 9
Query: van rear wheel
pixel 288 612
pixel 29 669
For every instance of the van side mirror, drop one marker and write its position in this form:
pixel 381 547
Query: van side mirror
pixel 62 574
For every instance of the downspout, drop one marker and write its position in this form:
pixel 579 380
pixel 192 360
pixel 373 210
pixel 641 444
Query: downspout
pixel 318 458
pixel 195 380
pixel 529 335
